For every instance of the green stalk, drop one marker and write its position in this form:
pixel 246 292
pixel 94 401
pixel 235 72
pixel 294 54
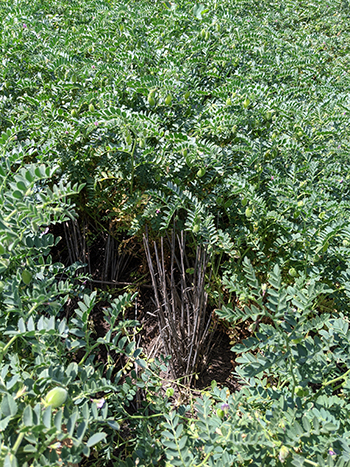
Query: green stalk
pixel 88 352
pixel 291 362
pixel 338 378
pixel 332 381
pixel 13 338
pixel 8 345
pixel 132 167
pixel 205 460
pixel 18 443
pixel 311 463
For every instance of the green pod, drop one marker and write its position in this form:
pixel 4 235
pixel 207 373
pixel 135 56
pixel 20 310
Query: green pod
pixel 201 172
pixel 56 397
pixel 283 454
pixel 27 277
pixel 128 138
pixel 151 100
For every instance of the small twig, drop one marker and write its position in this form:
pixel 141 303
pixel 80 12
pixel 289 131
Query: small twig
pixel 121 283
pixel 154 347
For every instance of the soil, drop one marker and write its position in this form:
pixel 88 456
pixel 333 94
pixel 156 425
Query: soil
pixel 221 360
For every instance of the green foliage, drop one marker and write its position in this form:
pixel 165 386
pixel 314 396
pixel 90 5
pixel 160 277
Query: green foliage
pixel 293 408
pixel 39 350
pixel 258 109
pixel 229 118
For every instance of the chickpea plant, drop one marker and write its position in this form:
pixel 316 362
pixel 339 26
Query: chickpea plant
pixel 228 121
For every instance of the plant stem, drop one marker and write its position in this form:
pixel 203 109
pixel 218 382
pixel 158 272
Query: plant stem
pixel 311 462
pixel 336 379
pixel 291 361
pixel 8 345
pixel 132 167
pixel 18 443
pixel 328 383
pixel 205 459
pixel 13 338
